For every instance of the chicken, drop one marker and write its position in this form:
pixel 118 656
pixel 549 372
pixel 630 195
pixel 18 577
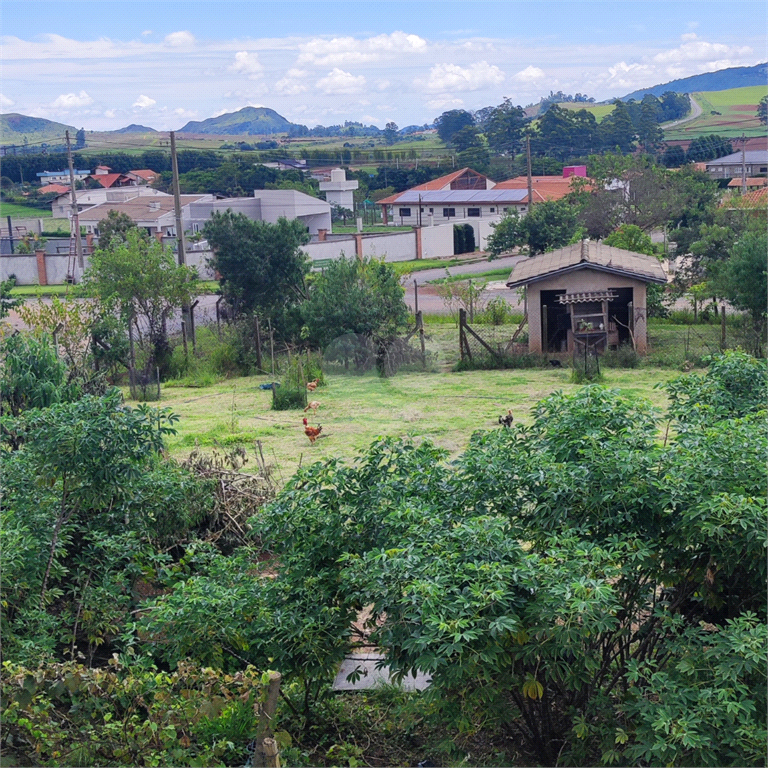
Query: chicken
pixel 507 419
pixel 312 432
pixel 312 385
pixel 314 405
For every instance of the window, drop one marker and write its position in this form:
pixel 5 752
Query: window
pixel 493 210
pixel 431 210
pixel 448 212
pixel 507 210
pixel 764 169
pixel 475 212
pixel 405 212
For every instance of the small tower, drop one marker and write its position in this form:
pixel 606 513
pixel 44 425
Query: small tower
pixel 338 191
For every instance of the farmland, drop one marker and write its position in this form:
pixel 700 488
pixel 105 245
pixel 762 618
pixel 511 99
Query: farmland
pixel 725 113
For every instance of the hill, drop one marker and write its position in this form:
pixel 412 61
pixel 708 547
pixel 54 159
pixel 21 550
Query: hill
pixel 134 128
pixel 722 80
pixel 14 128
pixel 248 121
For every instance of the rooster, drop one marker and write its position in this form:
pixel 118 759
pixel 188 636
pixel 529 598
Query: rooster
pixel 507 419
pixel 314 405
pixel 312 385
pixel 312 432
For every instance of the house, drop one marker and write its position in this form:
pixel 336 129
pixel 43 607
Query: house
pixel 61 207
pixel 109 180
pixel 339 191
pixel 459 195
pixel 730 166
pixel 547 187
pixel 58 189
pixel 155 213
pixel 143 176
pixel 60 177
pixel 755 200
pixel 751 183
pixel 587 294
pixel 266 205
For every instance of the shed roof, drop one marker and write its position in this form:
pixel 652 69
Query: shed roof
pixel 588 254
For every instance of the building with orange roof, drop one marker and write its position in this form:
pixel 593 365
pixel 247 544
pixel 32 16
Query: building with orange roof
pixel 110 180
pixel 143 176
pixel 756 200
pixel 544 187
pixel 752 182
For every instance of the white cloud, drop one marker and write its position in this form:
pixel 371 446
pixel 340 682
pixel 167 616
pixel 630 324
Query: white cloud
pixel 382 85
pixel 181 112
pixel 109 113
pixel 529 75
pixel 146 32
pixel 143 102
pixel 340 82
pixel 293 83
pixel 178 39
pixel 72 100
pixel 247 64
pixel 689 36
pixel 694 49
pixel 350 50
pixel 450 78
pixel 443 103
pixel 5 101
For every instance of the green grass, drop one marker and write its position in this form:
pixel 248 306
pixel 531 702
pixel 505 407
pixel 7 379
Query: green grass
pixel 33 291
pixel 492 274
pixel 419 265
pixel 600 111
pixel 23 211
pixel 444 407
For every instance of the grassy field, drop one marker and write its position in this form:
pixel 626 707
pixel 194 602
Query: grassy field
pixel 23 211
pixel 737 114
pixel 441 405
pixel 600 111
pixel 445 408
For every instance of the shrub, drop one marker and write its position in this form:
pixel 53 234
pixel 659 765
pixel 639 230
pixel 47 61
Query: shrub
pixel 623 357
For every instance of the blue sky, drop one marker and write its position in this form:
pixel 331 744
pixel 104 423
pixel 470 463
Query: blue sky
pixel 105 64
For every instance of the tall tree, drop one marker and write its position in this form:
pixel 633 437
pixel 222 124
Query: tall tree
pixel 503 127
pixel 451 122
pixel 262 266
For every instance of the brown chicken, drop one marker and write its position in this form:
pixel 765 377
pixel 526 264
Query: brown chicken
pixel 314 405
pixel 312 385
pixel 312 432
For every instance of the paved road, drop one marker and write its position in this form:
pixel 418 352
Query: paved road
pixel 432 304
pixel 696 111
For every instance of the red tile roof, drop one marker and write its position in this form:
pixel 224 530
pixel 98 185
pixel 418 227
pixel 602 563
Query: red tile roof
pixel 107 179
pixel 59 189
pixel 442 182
pixel 548 187
pixel 755 181
pixel 757 199
pixel 145 174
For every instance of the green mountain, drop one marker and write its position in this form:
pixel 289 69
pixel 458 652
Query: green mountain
pixel 134 128
pixel 722 80
pixel 247 121
pixel 14 128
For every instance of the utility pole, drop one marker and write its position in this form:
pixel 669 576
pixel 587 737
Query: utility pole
pixel 743 164
pixel 530 178
pixel 186 312
pixel 419 210
pixel 75 219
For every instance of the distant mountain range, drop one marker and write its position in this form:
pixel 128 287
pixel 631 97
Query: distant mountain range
pixel 14 128
pixel 248 121
pixel 722 80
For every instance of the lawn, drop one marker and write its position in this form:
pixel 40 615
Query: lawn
pixel 23 211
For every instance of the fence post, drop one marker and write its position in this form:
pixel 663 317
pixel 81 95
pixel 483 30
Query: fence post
pixel 258 345
pixel 265 754
pixel 420 326
pixel 723 340
pixel 192 324
pixel 218 316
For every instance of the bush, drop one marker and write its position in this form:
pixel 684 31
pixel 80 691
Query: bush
pixel 623 357
pixel 503 362
pixel 497 312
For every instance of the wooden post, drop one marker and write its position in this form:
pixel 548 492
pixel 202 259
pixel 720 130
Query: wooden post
pixel 723 340
pixel 192 324
pixel 157 371
pixel 218 316
pixel 265 754
pixel 415 296
pixel 258 344
pixel 420 326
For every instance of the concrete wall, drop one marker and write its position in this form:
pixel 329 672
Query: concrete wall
pixel 483 228
pixel 399 246
pixel 581 281
pixel 330 249
pixel 437 241
pixel 24 267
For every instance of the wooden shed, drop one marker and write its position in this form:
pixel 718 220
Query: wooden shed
pixel 586 294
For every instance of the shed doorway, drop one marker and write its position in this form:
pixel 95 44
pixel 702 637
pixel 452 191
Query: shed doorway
pixel 621 313
pixel 555 322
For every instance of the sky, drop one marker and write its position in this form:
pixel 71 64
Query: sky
pixel 103 65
